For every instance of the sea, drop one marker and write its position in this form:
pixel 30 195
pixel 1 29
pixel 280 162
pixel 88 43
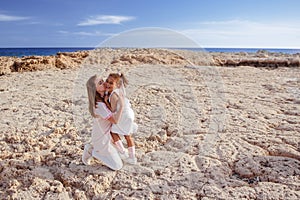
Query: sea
pixel 45 51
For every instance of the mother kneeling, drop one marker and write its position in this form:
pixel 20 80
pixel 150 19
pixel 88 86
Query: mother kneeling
pixel 101 146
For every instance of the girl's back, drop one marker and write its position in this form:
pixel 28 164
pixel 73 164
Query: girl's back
pixel 126 124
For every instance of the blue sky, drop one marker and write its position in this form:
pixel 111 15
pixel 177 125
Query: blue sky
pixel 209 23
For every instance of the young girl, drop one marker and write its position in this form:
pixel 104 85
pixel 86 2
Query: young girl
pixel 115 84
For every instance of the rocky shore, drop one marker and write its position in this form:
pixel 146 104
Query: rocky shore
pixel 211 126
pixel 148 56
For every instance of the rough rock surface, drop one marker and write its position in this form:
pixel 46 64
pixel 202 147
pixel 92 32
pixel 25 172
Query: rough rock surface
pixel 204 132
pixel 123 57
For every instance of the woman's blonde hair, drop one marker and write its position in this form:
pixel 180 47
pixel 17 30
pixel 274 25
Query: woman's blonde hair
pixel 93 95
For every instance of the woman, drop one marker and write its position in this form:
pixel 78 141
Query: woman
pixel 101 146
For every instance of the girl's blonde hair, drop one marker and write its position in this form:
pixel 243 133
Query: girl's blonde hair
pixel 93 95
pixel 118 77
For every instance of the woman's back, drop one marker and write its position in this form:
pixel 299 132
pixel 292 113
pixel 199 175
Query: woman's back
pixel 101 138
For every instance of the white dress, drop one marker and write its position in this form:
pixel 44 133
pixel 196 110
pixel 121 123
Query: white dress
pixel 126 124
pixel 103 148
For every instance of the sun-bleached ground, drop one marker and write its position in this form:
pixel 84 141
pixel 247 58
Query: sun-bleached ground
pixel 204 132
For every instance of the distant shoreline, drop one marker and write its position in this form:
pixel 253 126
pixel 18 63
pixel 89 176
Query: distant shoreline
pixel 129 57
pixel 50 51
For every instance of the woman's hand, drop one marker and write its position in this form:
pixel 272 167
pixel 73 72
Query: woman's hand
pixel 106 98
pixel 106 101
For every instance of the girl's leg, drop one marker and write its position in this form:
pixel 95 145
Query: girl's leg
pixel 129 140
pixel 131 149
pixel 118 142
pixel 115 136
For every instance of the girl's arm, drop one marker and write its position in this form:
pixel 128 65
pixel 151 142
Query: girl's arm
pixel 117 115
pixel 114 102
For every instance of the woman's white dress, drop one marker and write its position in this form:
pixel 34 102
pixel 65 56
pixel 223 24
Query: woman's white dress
pixel 103 148
pixel 126 124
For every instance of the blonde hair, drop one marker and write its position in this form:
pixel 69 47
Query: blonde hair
pixel 93 95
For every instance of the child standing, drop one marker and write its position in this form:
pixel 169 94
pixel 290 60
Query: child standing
pixel 115 84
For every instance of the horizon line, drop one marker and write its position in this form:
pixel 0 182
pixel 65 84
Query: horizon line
pixel 203 47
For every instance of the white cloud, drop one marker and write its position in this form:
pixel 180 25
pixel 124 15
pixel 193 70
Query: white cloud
pixel 229 22
pixel 34 22
pixel 96 33
pixel 105 19
pixel 7 18
pixel 243 33
pixel 63 32
pixel 84 33
pixel 149 37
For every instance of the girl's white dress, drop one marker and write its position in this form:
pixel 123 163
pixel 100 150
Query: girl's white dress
pixel 126 124
pixel 103 148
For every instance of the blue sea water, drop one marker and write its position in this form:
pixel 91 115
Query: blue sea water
pixel 253 50
pixel 19 52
